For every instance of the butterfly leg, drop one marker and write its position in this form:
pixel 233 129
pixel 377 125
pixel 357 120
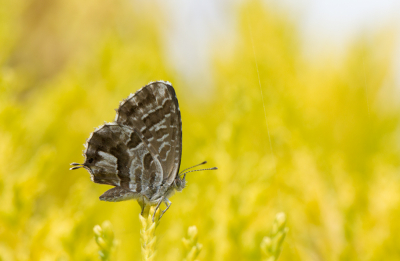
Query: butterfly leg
pixel 157 207
pixel 168 203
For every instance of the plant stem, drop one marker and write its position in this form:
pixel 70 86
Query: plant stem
pixel 148 233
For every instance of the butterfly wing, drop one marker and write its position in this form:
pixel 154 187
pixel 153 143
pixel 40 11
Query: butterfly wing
pixel 154 112
pixel 115 155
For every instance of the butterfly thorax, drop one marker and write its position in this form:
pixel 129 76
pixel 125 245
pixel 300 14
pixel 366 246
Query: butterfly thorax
pixel 166 191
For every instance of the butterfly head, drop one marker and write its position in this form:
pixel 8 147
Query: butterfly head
pixel 180 180
pixel 180 184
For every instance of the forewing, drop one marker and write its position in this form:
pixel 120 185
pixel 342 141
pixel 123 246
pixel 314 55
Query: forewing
pixel 115 155
pixel 154 112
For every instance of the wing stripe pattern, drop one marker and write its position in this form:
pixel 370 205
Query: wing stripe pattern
pixel 176 138
pixel 154 111
pixel 134 105
pixel 142 149
pixel 106 158
pixel 167 133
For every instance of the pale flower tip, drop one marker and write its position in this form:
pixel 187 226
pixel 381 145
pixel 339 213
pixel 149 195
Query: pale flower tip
pixel 106 225
pixel 281 218
pixel 280 222
pixel 97 230
pixel 192 232
pixel 107 230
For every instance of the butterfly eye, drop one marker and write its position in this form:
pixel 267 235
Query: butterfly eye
pixel 90 160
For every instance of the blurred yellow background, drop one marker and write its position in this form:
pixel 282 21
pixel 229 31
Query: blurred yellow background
pixel 315 138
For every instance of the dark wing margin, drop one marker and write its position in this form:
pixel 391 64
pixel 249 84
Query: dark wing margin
pixel 115 155
pixel 153 112
pixel 176 127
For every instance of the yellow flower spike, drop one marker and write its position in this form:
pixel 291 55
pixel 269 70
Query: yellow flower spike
pixel 148 237
pixel 271 246
pixel 279 222
pixel 104 237
pixel 143 220
pixel 152 228
pixel 186 242
pixel 101 242
pixel 192 254
pixel 192 247
pixel 266 244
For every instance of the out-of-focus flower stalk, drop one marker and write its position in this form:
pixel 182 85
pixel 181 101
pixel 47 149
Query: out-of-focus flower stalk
pixel 104 236
pixel 271 246
pixel 192 247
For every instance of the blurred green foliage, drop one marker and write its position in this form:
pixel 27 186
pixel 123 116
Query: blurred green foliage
pixel 333 124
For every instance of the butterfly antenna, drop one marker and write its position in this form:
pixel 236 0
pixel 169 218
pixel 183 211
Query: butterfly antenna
pixel 204 162
pixel 76 166
pixel 184 174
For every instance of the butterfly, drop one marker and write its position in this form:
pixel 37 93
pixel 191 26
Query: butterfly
pixel 139 153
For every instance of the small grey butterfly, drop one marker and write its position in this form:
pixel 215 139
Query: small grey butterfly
pixel 140 152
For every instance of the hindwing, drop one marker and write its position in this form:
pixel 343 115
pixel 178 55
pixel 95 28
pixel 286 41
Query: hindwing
pixel 153 112
pixel 115 155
